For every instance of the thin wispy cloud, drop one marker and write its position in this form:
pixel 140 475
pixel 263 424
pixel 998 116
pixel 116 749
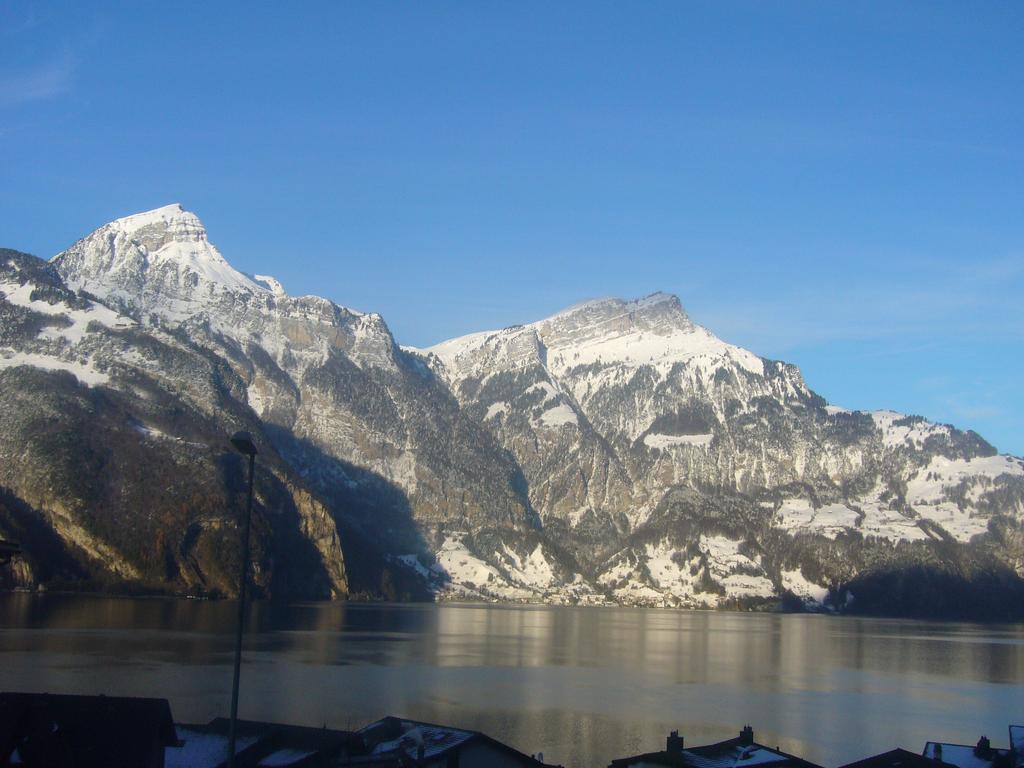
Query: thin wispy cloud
pixel 975 412
pixel 957 300
pixel 48 81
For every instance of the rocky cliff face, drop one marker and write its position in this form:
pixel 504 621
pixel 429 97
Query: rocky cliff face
pixel 113 466
pixel 686 471
pixel 366 426
pixel 613 452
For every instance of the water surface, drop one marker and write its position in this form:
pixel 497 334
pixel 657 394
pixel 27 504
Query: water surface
pixel 582 685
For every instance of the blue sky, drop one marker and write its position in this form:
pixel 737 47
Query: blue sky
pixel 837 185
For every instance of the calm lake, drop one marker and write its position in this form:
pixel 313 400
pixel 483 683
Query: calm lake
pixel 582 685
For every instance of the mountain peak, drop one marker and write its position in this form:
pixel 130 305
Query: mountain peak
pixel 659 313
pixel 154 229
pixel 652 330
pixel 162 257
pixel 165 212
pixel 657 300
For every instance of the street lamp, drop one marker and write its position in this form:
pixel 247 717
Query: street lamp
pixel 243 444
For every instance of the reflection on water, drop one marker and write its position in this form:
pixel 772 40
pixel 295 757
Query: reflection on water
pixel 583 685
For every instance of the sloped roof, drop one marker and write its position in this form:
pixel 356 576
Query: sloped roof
pixel 98 730
pixel 204 747
pixel 967 755
pixel 731 753
pixel 257 744
pixel 399 736
pixel 897 758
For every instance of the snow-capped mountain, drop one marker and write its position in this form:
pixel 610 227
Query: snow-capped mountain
pixel 615 451
pixel 675 463
pixel 330 378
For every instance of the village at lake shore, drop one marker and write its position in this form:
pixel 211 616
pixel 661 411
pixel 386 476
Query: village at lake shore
pixel 46 730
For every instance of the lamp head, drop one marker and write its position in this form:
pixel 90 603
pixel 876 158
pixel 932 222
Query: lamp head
pixel 243 443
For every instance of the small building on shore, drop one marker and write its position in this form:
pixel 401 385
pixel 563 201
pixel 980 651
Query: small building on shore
pixel 262 745
pixel 898 758
pixel 731 753
pixel 72 731
pixel 980 755
pixel 44 729
pixel 397 741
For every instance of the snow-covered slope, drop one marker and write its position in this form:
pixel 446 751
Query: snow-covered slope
pixel 69 336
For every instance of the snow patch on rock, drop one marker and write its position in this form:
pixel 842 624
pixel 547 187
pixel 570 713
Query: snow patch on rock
pixel 86 372
pixel 807 590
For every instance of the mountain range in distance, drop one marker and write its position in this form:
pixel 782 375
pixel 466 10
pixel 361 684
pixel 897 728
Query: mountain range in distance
pixel 615 452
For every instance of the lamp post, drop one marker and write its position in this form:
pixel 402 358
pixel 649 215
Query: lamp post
pixel 242 441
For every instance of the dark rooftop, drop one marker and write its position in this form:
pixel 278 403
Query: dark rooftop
pixel 731 753
pixel 897 758
pixel 980 755
pixel 401 738
pixel 107 731
pixel 261 744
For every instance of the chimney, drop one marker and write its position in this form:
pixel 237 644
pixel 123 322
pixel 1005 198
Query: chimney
pixel 984 747
pixel 747 736
pixel 674 743
pixel 937 753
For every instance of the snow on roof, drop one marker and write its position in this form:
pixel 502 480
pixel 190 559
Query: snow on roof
pixel 284 757
pixel 203 748
pixel 733 753
pixel 738 755
pixel 962 755
pixel 726 754
pixel 436 739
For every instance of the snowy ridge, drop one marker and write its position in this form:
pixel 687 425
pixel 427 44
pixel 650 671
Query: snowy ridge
pixel 653 330
pixel 619 306
pixel 160 264
pixel 900 430
pixel 270 283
